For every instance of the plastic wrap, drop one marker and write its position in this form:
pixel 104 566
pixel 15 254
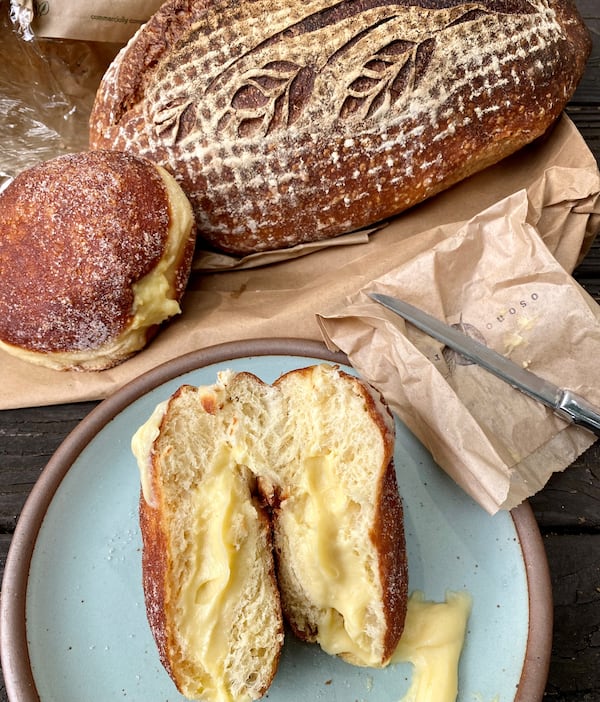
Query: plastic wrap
pixel 47 87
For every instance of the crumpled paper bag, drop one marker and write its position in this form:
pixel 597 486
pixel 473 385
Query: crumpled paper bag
pixel 206 261
pixel 498 280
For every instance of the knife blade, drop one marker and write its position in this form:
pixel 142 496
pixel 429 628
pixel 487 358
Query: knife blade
pixel 565 403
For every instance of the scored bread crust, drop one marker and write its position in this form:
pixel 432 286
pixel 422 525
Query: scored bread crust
pixel 287 122
pixel 79 233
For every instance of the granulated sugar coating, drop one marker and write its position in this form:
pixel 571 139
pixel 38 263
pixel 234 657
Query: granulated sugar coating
pixel 77 233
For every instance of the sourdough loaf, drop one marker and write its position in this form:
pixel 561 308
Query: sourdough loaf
pixel 95 254
pixel 310 455
pixel 288 121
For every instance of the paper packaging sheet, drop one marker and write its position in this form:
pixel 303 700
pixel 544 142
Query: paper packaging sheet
pixel 552 186
pixel 496 279
pixel 90 20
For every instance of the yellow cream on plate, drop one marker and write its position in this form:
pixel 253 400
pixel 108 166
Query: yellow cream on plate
pixel 432 642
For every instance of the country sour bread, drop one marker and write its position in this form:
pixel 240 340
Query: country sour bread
pixel 315 448
pixel 287 121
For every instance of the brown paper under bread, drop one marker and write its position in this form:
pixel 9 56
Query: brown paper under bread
pixel 288 122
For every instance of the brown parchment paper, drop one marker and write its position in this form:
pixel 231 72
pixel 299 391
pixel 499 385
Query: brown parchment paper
pixel 91 20
pixel 497 280
pixel 558 174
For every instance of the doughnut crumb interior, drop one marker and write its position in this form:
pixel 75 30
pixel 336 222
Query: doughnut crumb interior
pixel 263 503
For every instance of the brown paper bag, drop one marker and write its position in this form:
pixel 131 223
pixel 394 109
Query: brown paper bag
pixel 497 279
pixel 88 20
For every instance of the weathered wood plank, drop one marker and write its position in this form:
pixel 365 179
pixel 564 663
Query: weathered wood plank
pixel 28 438
pixel 571 499
pixel 588 90
pixel 574 562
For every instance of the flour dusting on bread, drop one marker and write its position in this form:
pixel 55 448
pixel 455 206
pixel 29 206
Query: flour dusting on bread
pixel 287 122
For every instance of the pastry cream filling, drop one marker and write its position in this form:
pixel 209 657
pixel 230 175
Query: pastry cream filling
pixel 141 447
pixel 432 641
pixel 153 295
pixel 212 582
pixel 338 582
pixel 210 590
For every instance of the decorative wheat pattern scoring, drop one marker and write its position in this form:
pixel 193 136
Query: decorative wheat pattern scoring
pixel 269 98
pixel 288 121
pixel 392 71
pixel 265 96
pixel 353 69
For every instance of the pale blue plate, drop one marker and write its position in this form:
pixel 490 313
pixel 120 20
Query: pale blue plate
pixel 73 621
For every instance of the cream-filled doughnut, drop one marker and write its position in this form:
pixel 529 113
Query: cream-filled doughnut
pixel 242 480
pixel 95 254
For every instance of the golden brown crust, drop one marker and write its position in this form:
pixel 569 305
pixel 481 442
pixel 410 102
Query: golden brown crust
pixel 155 581
pixel 65 223
pixel 156 559
pixel 388 536
pixel 388 529
pixel 155 567
pixel 382 527
pixel 289 122
pixel 78 232
pixel 387 533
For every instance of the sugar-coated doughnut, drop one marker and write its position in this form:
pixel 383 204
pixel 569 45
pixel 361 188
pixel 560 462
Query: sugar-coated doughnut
pixel 95 254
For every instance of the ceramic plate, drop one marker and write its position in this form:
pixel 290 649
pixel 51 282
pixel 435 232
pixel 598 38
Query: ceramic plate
pixel 73 621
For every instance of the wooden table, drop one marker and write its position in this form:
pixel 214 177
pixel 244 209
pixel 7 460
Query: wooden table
pixel 567 510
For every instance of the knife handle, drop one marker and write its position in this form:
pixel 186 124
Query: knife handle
pixel 578 410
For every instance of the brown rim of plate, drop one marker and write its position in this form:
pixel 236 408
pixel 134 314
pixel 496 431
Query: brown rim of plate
pixel 14 652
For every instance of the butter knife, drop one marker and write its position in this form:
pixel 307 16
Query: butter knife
pixel 565 403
